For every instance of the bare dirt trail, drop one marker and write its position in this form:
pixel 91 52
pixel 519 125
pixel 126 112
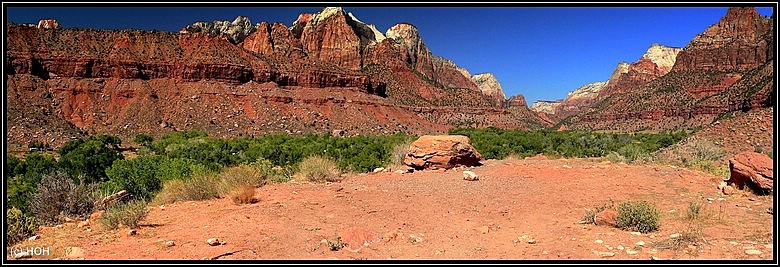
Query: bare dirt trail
pixel 439 215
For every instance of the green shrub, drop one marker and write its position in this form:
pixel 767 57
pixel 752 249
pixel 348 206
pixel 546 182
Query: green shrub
pixel 57 195
pixel 138 176
pixel 127 214
pixel 318 169
pixel 271 172
pixel 770 154
pixel 20 226
pixel 639 216
pixel 632 152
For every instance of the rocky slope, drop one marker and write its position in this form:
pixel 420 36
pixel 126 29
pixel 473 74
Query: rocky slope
pixel 327 72
pixel 697 88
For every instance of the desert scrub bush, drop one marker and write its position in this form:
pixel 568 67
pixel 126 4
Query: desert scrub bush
pixel 694 211
pixel 706 150
pixel 271 172
pixel 590 214
pixel 196 187
pixel 615 157
pixel 317 168
pixel 234 177
pixel 59 196
pixel 399 152
pixel 641 216
pixel 243 194
pixel 711 167
pixel 20 226
pixel 335 244
pixel 127 214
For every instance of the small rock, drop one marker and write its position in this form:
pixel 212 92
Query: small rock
pixel 753 252
pixel 545 252
pixel 213 242
pixel 32 238
pixel 710 199
pixel 631 252
pixel 531 241
pixel 674 235
pixel 728 190
pixel 640 243
pixel 83 223
pixel 379 169
pixel 132 232
pixel 74 252
pixel 655 258
pixel 769 246
pixel 400 172
pixel 599 241
pixel 482 229
pixel 170 243
pixel 470 176
pixel 606 254
pixel 722 185
pixel 620 247
pixel 636 233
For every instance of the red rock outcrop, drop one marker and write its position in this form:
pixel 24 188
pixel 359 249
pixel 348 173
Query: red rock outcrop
pixel 328 38
pixel 741 40
pixel 517 101
pixel 752 170
pixel 48 24
pixel 442 152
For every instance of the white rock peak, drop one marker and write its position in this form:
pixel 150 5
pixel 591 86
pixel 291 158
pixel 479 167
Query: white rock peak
pixel 662 56
pixel 488 84
pixel 587 91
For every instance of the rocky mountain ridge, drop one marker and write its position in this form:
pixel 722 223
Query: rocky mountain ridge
pixel 328 71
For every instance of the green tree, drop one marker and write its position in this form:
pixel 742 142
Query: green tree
pixel 90 157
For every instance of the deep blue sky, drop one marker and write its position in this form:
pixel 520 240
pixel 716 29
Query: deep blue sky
pixel 542 53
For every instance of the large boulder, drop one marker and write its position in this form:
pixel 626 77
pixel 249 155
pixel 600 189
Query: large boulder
pixel 754 170
pixel 442 152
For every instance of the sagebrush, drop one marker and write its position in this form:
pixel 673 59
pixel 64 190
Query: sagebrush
pixel 640 216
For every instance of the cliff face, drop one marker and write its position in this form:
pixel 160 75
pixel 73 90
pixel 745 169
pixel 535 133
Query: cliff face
pixel 657 61
pixel 328 71
pixel 740 41
pixel 725 68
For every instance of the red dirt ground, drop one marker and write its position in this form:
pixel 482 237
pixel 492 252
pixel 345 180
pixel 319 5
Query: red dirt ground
pixel 439 215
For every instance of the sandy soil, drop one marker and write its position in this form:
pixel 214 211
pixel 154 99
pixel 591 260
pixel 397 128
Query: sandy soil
pixel 439 215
